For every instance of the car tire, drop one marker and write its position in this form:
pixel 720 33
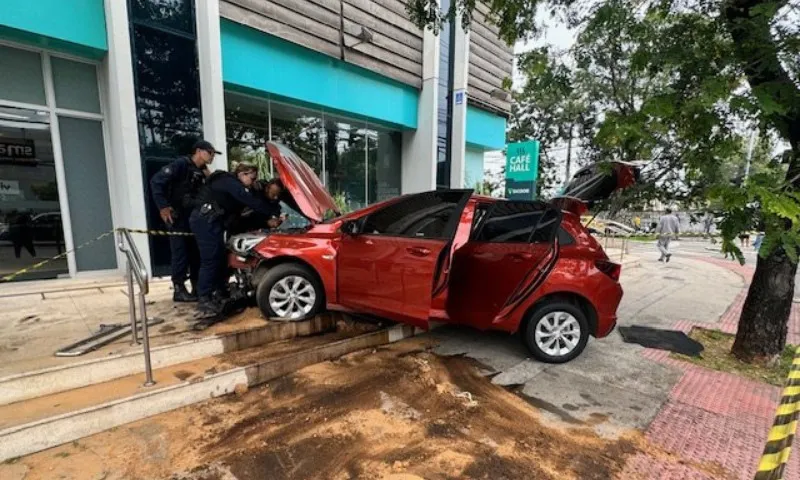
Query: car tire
pixel 553 317
pixel 290 292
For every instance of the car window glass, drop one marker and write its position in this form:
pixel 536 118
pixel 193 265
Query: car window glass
pixel 480 215
pixel 425 215
pixel 510 222
pixel 547 227
pixel 564 238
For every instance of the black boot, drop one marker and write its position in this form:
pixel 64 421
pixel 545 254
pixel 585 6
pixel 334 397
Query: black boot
pixel 182 295
pixel 207 308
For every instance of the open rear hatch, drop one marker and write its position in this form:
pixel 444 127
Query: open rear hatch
pixel 595 183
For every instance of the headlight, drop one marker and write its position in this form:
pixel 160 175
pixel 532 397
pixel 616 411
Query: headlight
pixel 242 244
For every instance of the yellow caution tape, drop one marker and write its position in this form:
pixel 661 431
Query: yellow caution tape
pixel 781 435
pixel 38 265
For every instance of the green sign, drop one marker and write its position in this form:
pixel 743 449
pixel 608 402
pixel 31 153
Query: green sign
pixel 522 170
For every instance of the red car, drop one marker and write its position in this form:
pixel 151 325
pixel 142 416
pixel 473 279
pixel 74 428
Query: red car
pixel 441 256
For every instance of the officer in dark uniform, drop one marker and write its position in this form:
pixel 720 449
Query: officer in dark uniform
pixel 249 220
pixel 174 189
pixel 220 203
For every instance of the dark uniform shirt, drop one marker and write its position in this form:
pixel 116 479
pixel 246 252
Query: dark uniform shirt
pixel 230 197
pixel 176 185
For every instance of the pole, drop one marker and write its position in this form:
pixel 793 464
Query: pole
pixel 749 154
pixel 131 303
pixel 148 369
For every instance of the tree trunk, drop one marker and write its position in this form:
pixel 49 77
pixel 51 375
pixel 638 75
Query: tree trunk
pixel 763 324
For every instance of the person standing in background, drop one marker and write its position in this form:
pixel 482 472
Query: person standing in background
pixel 667 228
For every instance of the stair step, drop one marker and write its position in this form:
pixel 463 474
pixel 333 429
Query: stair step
pixel 45 422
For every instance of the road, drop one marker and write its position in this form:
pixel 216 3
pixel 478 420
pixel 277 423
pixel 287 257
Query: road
pixel 610 381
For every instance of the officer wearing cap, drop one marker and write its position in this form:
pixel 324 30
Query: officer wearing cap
pixel 174 189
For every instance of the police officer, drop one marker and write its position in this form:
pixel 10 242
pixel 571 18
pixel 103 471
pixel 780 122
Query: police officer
pixel 220 202
pixel 249 220
pixel 174 189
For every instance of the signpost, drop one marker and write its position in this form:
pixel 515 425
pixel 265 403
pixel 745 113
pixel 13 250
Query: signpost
pixel 522 170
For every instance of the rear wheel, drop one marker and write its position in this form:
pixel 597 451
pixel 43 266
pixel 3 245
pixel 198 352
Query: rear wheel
pixel 556 332
pixel 289 292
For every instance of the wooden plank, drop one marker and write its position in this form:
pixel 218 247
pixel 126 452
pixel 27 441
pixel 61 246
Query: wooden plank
pixel 484 76
pixel 481 15
pixel 259 22
pixel 385 15
pixel 485 98
pixel 495 47
pixel 332 5
pixel 292 19
pixel 481 85
pixel 384 56
pixel 396 6
pixel 502 56
pixel 488 67
pixel 476 49
pixel 390 71
pixel 378 25
pixel 387 43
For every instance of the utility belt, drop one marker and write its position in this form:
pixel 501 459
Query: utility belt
pixel 212 212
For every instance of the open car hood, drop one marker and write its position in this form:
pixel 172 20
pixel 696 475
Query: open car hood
pixel 308 196
pixel 595 183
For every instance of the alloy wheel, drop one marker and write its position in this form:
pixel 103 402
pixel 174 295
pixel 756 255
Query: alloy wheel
pixel 557 333
pixel 292 297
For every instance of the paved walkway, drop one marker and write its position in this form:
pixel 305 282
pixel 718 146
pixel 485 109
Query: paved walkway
pixel 713 418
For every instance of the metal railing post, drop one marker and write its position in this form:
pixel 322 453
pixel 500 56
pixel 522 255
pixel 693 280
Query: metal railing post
pixel 148 369
pixel 135 269
pixel 131 302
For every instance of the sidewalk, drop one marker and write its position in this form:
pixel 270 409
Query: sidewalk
pixel 39 318
pixel 713 418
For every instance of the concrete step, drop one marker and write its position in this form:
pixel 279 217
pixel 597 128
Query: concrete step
pixel 44 422
pixel 74 375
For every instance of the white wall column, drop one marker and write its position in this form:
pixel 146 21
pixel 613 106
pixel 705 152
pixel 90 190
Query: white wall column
pixel 128 199
pixel 419 146
pixel 212 93
pixel 458 139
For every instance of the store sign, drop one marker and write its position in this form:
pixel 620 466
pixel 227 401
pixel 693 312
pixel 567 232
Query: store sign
pixel 522 170
pixel 17 149
pixel 9 187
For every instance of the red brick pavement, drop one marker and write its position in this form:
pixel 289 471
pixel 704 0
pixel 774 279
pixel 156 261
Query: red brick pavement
pixel 713 419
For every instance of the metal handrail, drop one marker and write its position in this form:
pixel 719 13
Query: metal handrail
pixel 139 270
pixel 135 268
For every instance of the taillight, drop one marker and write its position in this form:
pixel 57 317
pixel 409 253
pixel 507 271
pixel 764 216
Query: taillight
pixel 609 268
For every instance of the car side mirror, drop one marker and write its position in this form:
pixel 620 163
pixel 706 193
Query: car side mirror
pixel 350 227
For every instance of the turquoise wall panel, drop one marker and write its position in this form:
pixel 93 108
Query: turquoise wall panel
pixel 258 63
pixel 485 129
pixel 75 26
pixel 474 167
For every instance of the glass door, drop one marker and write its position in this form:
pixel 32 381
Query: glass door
pixel 30 214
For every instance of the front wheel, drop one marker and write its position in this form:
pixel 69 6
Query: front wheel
pixel 289 292
pixel 556 332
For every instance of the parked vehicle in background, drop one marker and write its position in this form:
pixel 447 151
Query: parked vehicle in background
pixel 443 256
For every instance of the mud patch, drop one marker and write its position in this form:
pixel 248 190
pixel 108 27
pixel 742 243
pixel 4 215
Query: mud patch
pixel 182 375
pixel 167 329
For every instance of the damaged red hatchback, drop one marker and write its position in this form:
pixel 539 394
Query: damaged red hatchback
pixel 441 256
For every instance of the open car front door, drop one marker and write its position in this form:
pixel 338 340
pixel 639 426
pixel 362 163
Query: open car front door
pixel 392 262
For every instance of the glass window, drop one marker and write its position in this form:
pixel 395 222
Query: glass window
pixel 174 14
pixel 75 85
pixel 300 130
pixel 87 191
pixel 22 79
pixel 30 214
pixel 426 215
pixel 346 162
pixel 384 165
pixel 510 222
pixel 168 92
pixel 547 227
pixel 246 128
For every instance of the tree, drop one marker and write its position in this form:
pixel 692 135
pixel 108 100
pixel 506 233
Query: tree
pixel 722 59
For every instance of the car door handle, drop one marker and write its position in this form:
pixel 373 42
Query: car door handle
pixel 520 257
pixel 418 251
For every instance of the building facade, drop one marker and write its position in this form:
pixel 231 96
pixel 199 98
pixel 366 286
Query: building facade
pixel 97 95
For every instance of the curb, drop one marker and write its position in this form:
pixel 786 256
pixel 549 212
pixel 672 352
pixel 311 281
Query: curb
pixel 50 432
pixel 51 380
pixel 781 435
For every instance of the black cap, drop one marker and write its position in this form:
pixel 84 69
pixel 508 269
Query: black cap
pixel 205 145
